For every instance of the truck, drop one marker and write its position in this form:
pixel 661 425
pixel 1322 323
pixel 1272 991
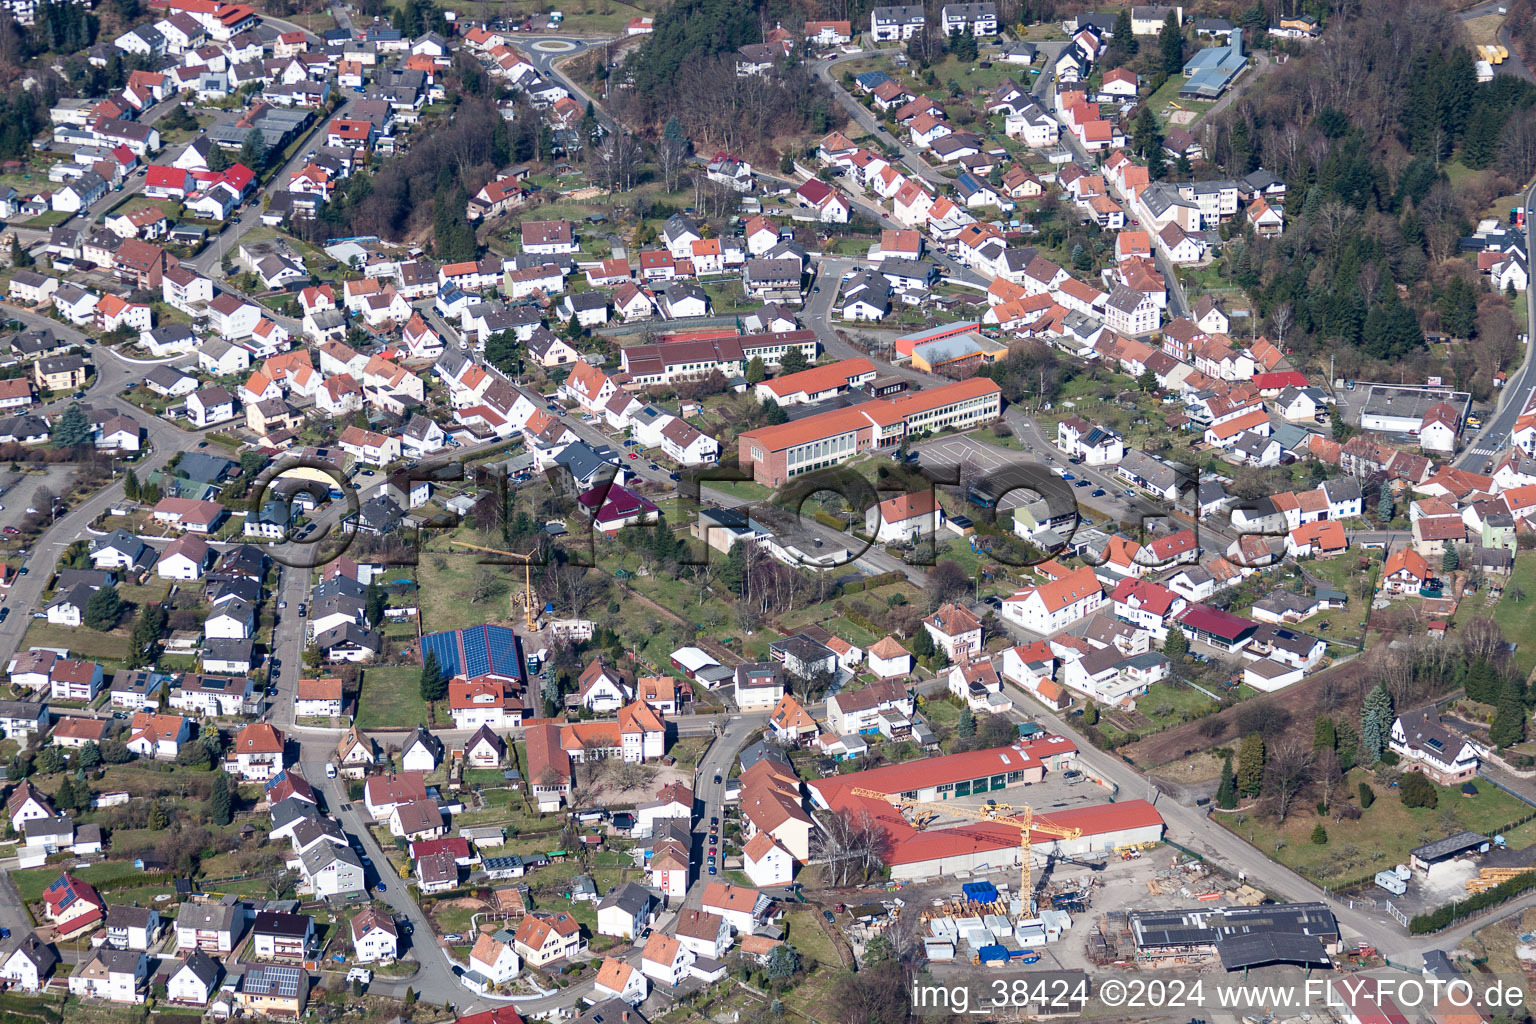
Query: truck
pixel 1000 956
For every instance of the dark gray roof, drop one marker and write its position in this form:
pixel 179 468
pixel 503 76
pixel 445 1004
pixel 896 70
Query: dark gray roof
pixel 1451 845
pixel 204 967
pixel 629 897
pixel 350 633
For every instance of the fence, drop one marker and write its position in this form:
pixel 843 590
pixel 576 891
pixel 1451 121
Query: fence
pixel 1518 796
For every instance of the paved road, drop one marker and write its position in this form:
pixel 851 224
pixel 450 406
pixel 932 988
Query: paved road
pixel 166 439
pixel 1514 65
pixel 1520 389
pixel 1178 305
pixel 209 262
pixel 911 156
pixel 435 981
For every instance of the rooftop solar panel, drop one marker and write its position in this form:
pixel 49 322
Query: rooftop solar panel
pixel 477 650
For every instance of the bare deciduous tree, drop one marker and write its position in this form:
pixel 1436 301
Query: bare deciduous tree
pixel 1287 769
pixel 1281 318
pixel 853 846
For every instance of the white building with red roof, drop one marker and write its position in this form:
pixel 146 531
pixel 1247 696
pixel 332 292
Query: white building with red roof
pixel 72 906
pixel 904 517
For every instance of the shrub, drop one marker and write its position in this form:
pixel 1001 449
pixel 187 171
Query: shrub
pixel 1417 791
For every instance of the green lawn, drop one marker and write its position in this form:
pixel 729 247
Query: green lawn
pixel 84 643
pixel 989 435
pixel 1162 102
pixel 1380 838
pixel 447 582
pixel 1516 612
pixel 806 935
pixel 51 219
pixel 1167 704
pixel 390 698
pixel 31 882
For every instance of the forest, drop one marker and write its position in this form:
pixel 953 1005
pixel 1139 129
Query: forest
pixel 686 70
pixel 1391 151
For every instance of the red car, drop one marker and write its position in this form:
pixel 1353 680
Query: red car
pixel 633 455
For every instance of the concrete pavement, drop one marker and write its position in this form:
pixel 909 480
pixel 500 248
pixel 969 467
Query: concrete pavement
pixel 1521 385
pixel 910 156
pixel 165 439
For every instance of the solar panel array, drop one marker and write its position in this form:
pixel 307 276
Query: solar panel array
pixel 476 651
pixel 265 979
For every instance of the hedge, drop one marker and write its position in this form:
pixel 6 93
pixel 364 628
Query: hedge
pixel 873 583
pixel 1450 913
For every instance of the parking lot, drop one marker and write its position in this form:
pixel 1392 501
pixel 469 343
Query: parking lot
pixel 22 491
pixel 1090 486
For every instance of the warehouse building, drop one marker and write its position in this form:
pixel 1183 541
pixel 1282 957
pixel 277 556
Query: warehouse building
pixel 977 846
pixel 1301 934
pixel 1396 409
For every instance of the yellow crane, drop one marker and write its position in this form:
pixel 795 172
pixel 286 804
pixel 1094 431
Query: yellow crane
pixel 525 598
pixel 1022 818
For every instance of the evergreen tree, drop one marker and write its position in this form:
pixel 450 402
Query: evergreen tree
pixel 434 685
pixel 1250 765
pixel 1176 644
pixel 1226 792
pixel 1124 37
pixel 1170 43
pixel 1458 308
pixel 144 641
pixel 756 373
pixel 67 799
pixel 453 237
pixel 773 414
pixel 922 643
pixel 1324 735
pixel 131 485
pixel 1481 683
pixel 1451 560
pixel 71 429
pixel 1417 791
pixel 1480 145
pixel 1367 796
pixel 1386 508
pixel 376 601
pixel 89 755
pixel 1375 724
pixel 20 257
pixel 1319 835
pixel 793 361
pixel 1508 725
pixel 253 153
pixel 220 805
pixel 158 820
pixel 103 609
pixel 1082 259
pixel 966 727
pixel 50 760
pixel 1090 714
pixel 1147 135
pixel 783 962
pixel 963 45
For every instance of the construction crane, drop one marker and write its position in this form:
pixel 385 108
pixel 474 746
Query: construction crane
pixel 1022 818
pixel 526 598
